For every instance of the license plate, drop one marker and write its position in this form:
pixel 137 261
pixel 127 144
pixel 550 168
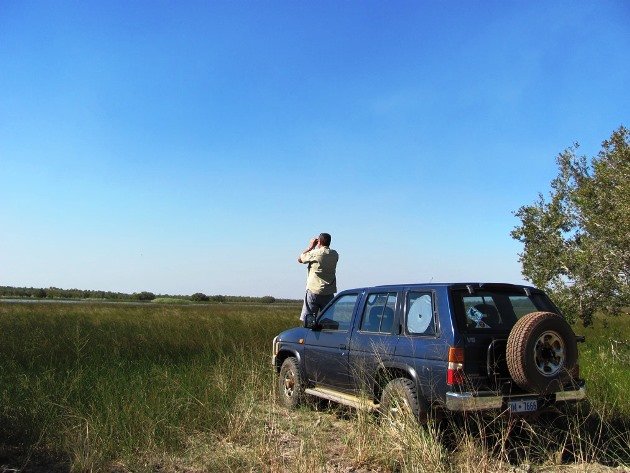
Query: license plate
pixel 523 405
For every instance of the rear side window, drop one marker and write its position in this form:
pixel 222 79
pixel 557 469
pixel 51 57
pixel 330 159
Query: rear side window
pixel 419 314
pixel 378 315
pixel 496 310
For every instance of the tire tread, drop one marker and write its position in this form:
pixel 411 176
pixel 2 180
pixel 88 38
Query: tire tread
pixel 516 349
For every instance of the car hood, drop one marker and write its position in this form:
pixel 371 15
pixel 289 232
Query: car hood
pixel 293 334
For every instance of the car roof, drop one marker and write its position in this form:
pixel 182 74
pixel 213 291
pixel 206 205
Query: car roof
pixel 434 285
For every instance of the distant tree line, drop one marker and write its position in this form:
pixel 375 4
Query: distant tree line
pixel 57 293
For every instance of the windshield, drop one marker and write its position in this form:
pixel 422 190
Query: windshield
pixel 492 310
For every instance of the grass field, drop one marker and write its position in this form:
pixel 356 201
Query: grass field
pixel 157 387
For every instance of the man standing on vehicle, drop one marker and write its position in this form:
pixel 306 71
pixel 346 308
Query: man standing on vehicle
pixel 321 283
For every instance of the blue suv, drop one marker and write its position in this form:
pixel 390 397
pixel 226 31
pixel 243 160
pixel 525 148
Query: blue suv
pixel 428 347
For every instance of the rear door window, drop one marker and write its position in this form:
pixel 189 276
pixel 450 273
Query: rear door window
pixel 378 315
pixel 522 305
pixel 481 311
pixel 489 310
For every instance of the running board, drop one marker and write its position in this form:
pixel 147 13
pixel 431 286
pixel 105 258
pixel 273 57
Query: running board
pixel 343 398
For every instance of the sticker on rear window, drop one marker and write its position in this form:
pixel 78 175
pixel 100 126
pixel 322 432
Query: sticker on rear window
pixel 476 316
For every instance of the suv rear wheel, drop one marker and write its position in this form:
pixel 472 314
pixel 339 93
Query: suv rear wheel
pixel 541 352
pixel 399 401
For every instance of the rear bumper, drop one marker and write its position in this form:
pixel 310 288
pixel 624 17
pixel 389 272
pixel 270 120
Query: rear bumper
pixel 478 401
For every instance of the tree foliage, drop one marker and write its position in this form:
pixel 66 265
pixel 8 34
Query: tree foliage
pixel 144 296
pixel 199 297
pixel 577 242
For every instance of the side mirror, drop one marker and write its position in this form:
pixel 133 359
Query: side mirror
pixel 311 322
pixel 327 324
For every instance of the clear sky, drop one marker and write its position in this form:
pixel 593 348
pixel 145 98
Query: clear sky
pixel 185 146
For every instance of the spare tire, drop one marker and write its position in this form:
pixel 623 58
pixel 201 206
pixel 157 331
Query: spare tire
pixel 541 352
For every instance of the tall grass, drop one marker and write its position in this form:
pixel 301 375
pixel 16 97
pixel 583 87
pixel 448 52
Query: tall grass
pixel 100 387
pixel 604 361
pixel 98 383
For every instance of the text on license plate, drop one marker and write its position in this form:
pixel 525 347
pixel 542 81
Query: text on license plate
pixel 523 406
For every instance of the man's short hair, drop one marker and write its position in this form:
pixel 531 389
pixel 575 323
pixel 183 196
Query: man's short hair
pixel 324 239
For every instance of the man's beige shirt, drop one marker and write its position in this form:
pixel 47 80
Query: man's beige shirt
pixel 322 264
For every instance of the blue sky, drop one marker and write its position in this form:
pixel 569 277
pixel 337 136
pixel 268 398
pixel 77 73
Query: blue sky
pixel 178 147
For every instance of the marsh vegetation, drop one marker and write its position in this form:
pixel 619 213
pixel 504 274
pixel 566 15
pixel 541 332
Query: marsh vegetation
pixel 160 387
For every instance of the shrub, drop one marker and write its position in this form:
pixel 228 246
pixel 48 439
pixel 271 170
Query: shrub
pixel 144 296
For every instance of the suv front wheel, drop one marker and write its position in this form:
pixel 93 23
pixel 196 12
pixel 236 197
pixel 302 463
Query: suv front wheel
pixel 290 388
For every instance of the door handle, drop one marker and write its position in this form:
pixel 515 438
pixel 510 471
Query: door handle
pixel 343 347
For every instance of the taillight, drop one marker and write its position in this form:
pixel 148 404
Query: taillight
pixel 455 371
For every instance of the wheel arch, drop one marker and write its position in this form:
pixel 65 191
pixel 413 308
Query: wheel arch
pixel 389 371
pixel 285 353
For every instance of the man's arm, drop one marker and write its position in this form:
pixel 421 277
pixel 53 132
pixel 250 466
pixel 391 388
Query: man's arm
pixel 311 244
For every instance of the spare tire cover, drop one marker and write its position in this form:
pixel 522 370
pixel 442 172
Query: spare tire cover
pixel 541 352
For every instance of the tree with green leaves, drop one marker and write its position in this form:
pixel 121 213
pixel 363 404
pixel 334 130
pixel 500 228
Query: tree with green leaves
pixel 199 297
pixel 577 242
pixel 144 296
